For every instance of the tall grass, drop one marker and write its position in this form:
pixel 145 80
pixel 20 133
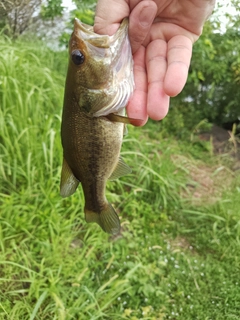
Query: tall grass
pixel 30 99
pixel 171 260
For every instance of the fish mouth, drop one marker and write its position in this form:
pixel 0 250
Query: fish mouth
pixel 86 33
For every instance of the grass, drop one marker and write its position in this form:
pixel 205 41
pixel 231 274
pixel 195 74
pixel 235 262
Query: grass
pixel 173 259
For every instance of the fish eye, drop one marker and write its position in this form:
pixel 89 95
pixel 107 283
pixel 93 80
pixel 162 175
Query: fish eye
pixel 77 57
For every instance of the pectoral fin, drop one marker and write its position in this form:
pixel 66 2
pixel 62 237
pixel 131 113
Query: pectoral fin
pixel 68 183
pixel 121 169
pixel 118 118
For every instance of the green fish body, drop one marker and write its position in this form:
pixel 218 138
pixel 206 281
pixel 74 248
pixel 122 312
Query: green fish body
pixel 98 86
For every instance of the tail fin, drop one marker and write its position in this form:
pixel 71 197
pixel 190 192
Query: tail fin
pixel 107 219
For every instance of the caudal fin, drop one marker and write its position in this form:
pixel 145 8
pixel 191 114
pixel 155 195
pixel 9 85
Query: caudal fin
pixel 107 219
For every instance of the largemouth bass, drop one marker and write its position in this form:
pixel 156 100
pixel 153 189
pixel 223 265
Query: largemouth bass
pixel 98 86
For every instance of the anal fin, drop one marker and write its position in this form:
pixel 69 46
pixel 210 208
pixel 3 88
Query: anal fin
pixel 120 170
pixel 68 183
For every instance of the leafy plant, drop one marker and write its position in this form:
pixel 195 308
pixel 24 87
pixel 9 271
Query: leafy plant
pixel 212 91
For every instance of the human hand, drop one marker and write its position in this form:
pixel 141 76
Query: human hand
pixel 162 33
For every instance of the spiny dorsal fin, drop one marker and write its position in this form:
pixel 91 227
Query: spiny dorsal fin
pixel 68 183
pixel 121 169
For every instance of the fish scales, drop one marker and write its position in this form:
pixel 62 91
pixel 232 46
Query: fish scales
pixel 98 86
pixel 97 157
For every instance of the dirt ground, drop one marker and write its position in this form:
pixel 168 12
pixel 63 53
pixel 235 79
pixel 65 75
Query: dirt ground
pixel 224 143
pixel 208 182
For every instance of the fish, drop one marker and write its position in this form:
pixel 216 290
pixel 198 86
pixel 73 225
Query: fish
pixel 99 84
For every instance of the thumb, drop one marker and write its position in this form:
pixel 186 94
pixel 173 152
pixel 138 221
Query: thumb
pixel 109 15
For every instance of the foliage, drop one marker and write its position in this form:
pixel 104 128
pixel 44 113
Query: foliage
pixel 172 260
pixel 27 98
pixel 16 15
pixel 212 89
pixel 85 3
pixel 52 9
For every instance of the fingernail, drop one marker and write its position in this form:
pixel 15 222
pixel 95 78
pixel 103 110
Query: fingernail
pixel 146 16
